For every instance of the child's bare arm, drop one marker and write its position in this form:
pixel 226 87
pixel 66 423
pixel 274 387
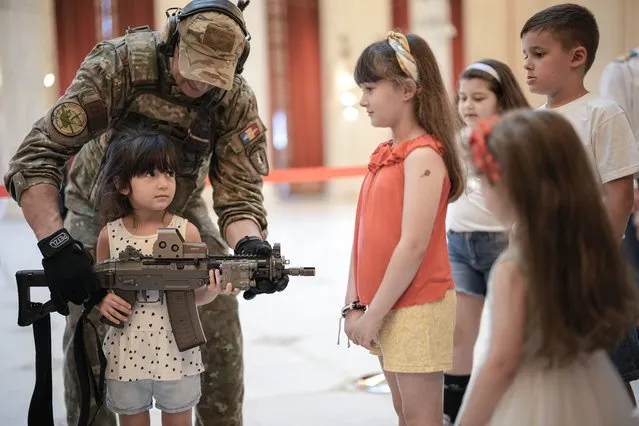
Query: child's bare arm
pixel 351 290
pixel 112 307
pixel 205 295
pixel 494 377
pixel 424 173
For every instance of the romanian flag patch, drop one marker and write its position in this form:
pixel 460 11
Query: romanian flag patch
pixel 249 134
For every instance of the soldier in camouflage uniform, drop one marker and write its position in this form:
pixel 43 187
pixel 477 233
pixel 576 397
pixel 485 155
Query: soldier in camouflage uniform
pixel 193 95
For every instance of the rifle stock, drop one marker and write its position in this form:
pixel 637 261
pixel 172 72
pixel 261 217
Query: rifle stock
pixel 28 311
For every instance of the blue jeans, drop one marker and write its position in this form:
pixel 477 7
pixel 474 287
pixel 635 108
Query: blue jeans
pixel 471 256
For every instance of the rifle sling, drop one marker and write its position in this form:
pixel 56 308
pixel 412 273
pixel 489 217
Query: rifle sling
pixel 84 371
pixel 41 405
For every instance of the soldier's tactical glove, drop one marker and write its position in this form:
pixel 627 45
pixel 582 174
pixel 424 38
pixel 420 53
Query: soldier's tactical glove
pixel 259 247
pixel 68 267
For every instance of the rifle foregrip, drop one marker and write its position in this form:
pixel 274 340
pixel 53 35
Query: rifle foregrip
pixel 184 319
pixel 129 297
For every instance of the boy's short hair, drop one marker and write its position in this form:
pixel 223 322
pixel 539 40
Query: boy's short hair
pixel 571 24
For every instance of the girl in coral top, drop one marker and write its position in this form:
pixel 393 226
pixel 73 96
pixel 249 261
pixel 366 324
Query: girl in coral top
pixel 400 299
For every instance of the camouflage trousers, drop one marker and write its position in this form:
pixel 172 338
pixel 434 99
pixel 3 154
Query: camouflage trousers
pixel 222 379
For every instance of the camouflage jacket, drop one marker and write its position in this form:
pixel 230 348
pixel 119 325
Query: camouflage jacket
pixel 127 82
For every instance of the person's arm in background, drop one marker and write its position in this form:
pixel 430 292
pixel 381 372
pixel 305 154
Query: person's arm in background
pixel 615 84
pixel 617 155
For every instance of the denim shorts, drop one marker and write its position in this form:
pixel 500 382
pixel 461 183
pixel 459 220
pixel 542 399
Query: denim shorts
pixel 625 355
pixel 471 256
pixel 171 396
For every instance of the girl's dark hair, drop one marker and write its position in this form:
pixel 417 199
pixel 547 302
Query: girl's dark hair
pixel 507 90
pixel 580 294
pixel 433 109
pixel 131 153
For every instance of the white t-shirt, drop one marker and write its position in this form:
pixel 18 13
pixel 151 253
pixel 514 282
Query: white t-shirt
pixel 469 212
pixel 604 130
pixel 620 83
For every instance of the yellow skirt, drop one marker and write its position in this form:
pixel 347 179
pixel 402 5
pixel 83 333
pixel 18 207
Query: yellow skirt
pixel 418 339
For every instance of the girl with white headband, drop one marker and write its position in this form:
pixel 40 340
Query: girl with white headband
pixel 400 299
pixel 475 236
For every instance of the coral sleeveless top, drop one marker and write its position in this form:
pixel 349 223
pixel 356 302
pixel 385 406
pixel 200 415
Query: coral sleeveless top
pixel 378 228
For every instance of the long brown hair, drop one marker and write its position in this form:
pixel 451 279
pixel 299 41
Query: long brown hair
pixel 433 109
pixel 507 91
pixel 131 153
pixel 580 294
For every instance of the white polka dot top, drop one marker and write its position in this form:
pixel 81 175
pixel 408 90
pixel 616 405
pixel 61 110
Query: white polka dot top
pixel 145 348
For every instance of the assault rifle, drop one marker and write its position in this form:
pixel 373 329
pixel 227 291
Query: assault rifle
pixel 177 268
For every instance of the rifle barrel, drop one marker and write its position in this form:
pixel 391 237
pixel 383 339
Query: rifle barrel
pixel 303 271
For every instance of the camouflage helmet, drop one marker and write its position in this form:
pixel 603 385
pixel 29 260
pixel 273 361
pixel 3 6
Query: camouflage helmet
pixel 210 46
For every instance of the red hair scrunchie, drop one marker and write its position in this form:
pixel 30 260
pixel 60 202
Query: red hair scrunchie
pixel 482 156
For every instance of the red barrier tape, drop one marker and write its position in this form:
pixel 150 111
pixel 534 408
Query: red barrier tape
pixel 313 174
pixel 293 175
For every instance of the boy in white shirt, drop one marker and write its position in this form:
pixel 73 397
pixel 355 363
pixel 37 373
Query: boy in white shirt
pixel 559 46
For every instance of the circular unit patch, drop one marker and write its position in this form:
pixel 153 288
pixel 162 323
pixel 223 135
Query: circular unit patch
pixel 69 119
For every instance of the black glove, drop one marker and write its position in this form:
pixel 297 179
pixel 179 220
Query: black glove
pixel 259 247
pixel 68 267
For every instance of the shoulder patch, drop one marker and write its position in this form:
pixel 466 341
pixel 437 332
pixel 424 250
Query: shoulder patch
pixel 69 119
pixel 249 134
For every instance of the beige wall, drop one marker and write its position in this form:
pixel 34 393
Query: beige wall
pixel 500 38
pixel 25 58
pixel 430 19
pixel 345 30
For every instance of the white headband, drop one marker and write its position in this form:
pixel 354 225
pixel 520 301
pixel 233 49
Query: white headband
pixel 485 68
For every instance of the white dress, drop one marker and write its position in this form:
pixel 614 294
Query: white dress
pixel 145 348
pixel 587 392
